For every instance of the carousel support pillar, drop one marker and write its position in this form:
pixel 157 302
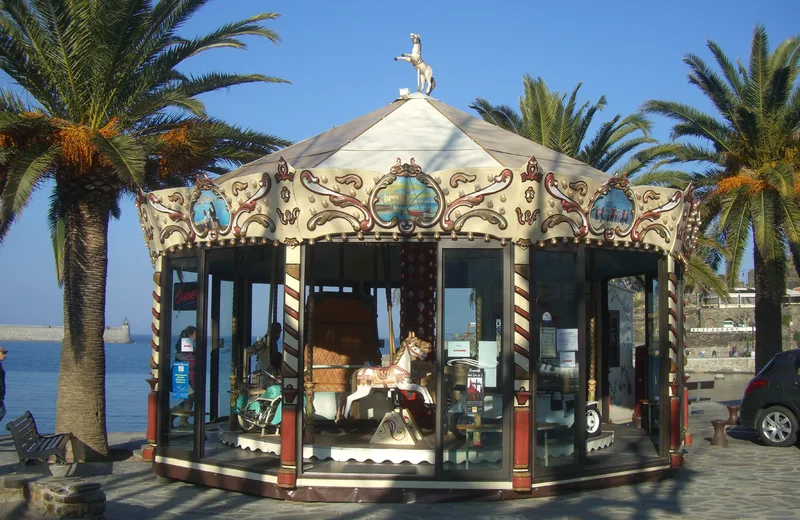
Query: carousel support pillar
pixel 592 393
pixel 287 474
pixel 675 455
pixel 521 475
pixel 687 437
pixel 675 362
pixel 148 450
pixel 308 378
pixel 521 478
pixel 477 442
pixel 236 348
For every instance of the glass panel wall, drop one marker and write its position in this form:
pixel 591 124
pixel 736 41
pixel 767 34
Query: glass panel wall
pixel 244 356
pixel 555 323
pixel 474 377
pixel 178 354
pixel 369 411
pixel 628 353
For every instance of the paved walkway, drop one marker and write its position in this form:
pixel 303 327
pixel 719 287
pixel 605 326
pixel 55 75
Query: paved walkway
pixel 744 480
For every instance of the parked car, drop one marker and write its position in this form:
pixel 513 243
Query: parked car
pixel 771 402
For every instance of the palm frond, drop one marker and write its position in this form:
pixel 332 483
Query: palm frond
pixel 691 122
pixel 26 172
pixel 57 224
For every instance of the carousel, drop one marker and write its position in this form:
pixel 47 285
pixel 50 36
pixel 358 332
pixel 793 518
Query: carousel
pixel 416 304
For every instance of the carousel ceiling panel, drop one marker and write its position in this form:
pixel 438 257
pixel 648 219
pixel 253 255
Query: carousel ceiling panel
pixel 504 145
pixel 310 152
pixel 416 129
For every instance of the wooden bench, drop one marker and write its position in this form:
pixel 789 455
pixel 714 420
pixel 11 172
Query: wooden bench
pixel 31 445
pixel 698 385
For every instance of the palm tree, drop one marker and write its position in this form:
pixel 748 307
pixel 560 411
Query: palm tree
pixel 553 120
pixel 751 188
pixel 109 113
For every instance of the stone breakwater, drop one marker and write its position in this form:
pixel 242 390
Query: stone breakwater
pixel 44 333
pixel 721 365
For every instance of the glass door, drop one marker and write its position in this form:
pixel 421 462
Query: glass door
pixel 474 361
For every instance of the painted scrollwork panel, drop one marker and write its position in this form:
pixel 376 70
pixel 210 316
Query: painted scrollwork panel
pixel 361 218
pixel 578 225
pixel 452 217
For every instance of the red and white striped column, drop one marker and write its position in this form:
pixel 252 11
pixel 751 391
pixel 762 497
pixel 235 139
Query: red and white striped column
pixel 521 475
pixel 148 450
pixel 292 298
pixel 675 454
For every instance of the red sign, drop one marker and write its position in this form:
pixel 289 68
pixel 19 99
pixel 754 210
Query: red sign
pixel 184 296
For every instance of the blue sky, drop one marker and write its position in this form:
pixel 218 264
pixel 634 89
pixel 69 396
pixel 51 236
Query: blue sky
pixel 338 56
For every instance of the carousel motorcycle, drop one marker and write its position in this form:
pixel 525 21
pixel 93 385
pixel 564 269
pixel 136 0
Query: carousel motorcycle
pixel 260 411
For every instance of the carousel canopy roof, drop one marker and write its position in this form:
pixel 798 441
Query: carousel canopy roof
pixel 437 135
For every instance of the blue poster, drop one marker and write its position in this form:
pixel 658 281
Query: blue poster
pixel 180 380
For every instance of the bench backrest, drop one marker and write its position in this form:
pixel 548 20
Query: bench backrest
pixel 23 430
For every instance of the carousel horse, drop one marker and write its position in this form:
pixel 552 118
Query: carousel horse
pixel 396 376
pixel 424 71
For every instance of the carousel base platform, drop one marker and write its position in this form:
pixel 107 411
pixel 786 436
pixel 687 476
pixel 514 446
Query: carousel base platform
pixel 356 447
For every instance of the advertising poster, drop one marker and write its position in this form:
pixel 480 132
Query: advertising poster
pixel 180 380
pixel 474 391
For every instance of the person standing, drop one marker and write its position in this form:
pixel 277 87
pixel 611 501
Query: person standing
pixel 3 354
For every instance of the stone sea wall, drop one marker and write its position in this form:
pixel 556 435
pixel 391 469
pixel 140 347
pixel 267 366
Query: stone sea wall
pixel 44 333
pixel 721 365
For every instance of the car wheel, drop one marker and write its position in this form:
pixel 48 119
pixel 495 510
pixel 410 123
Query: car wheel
pixel 592 422
pixel 777 426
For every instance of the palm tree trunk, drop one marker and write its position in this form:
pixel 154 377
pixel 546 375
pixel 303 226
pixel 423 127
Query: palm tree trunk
pixel 767 313
pixel 81 386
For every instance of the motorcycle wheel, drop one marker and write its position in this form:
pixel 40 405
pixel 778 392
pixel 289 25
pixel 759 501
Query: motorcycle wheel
pixel 593 421
pixel 245 424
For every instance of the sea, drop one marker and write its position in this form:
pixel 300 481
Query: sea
pixel 32 383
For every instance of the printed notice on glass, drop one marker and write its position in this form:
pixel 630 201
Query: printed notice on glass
pixel 547 342
pixel 458 349
pixel 567 340
pixel 180 380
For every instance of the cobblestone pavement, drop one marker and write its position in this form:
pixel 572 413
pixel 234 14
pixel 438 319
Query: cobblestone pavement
pixel 744 480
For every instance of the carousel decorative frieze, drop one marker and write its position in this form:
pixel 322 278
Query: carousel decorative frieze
pixel 406 198
pixel 209 214
pixel 533 172
pixel 453 220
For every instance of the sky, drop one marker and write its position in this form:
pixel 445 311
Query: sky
pixel 338 56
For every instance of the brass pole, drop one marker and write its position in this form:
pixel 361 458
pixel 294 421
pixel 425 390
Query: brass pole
pixel 387 275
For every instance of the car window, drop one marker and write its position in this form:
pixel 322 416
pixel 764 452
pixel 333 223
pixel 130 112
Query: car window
pixel 767 368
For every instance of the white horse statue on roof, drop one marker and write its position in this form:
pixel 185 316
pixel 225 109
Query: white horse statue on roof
pixel 424 71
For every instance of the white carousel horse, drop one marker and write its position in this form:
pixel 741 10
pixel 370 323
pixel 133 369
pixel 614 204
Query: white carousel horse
pixel 424 71
pixel 396 376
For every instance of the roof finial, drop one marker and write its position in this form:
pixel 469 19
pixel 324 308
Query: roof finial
pixel 424 71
